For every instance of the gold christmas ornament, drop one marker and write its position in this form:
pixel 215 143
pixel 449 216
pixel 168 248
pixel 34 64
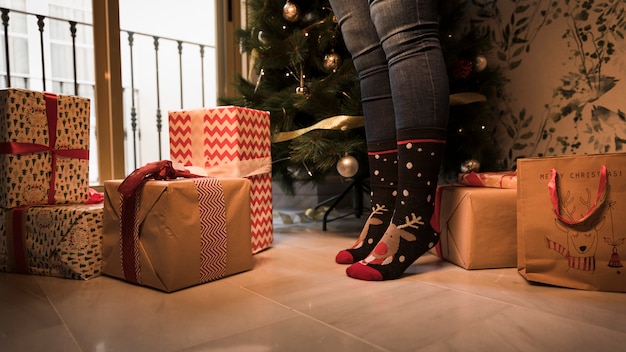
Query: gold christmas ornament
pixel 480 63
pixel 291 12
pixel 261 37
pixel 302 90
pixel 347 166
pixel 469 166
pixel 332 62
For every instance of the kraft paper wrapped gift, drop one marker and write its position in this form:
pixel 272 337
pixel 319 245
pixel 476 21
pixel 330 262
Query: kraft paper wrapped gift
pixel 188 232
pixel 44 148
pixel 58 240
pixel 478 226
pixel 230 141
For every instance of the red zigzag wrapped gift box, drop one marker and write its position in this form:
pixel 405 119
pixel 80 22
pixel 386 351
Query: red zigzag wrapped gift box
pixel 230 141
pixel 56 240
pixel 44 148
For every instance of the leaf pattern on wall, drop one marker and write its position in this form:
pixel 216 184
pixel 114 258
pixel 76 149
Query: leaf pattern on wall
pixel 594 33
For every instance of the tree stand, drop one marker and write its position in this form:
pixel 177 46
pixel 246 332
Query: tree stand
pixel 358 188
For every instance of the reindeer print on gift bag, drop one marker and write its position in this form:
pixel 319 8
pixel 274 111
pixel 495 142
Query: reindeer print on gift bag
pixel 584 229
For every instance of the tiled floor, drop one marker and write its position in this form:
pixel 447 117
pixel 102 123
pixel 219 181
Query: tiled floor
pixel 297 299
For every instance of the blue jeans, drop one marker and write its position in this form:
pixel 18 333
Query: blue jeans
pixel 396 51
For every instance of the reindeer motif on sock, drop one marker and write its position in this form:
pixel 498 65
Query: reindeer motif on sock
pixel 385 250
pixel 371 221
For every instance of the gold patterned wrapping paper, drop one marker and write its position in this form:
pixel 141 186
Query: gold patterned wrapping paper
pixel 44 148
pixel 59 240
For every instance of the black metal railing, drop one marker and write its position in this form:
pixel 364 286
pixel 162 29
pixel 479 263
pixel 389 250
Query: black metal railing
pixel 73 84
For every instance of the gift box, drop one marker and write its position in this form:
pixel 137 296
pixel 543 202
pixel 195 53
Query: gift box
pixel 57 240
pixel 44 148
pixel 477 226
pixel 185 232
pixel 502 179
pixel 230 141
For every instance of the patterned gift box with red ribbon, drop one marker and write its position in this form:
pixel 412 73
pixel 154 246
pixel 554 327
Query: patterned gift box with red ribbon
pixel 44 148
pixel 57 240
pixel 172 233
pixel 230 141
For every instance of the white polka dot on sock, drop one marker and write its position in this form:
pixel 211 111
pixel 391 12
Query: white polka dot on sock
pixel 409 165
pixel 376 172
pixel 394 193
pixel 409 145
pixel 401 259
pixel 405 193
pixel 376 156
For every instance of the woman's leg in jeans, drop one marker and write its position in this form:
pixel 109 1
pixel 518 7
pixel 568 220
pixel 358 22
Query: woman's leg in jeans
pixel 408 30
pixel 370 62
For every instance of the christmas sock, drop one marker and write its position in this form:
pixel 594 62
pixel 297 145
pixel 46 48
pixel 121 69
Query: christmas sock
pixel 382 157
pixel 409 235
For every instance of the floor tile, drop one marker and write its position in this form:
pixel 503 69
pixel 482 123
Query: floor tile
pixel 106 314
pixel 295 334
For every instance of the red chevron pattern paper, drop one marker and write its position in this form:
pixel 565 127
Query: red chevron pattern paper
pixel 226 136
pixel 213 250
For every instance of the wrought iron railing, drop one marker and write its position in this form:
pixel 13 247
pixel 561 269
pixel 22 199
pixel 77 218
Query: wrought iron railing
pixel 47 80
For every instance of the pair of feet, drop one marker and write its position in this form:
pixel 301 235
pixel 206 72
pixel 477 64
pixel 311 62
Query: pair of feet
pixel 386 257
pixel 403 180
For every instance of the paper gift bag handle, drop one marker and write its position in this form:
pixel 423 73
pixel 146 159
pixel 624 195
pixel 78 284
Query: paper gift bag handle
pixel 554 196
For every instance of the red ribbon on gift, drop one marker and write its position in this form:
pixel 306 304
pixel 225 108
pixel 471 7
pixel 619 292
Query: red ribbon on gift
pixel 129 189
pixel 15 240
pixel 28 148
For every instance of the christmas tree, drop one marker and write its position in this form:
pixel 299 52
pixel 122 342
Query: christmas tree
pixel 306 80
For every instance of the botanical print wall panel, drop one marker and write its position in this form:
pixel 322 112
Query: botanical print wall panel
pixel 565 67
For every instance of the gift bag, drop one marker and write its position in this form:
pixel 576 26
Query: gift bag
pixel 570 221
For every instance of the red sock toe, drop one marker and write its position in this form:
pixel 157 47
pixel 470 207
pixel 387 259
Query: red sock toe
pixel 344 257
pixel 363 272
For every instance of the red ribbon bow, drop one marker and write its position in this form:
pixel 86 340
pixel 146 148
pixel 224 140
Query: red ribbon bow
pixel 129 188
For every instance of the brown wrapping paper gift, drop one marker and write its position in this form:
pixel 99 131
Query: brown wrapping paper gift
pixel 478 229
pixel 169 232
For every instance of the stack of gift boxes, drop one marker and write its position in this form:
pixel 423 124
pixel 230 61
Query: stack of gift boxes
pixel 189 230
pixel 46 227
pixel 162 226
